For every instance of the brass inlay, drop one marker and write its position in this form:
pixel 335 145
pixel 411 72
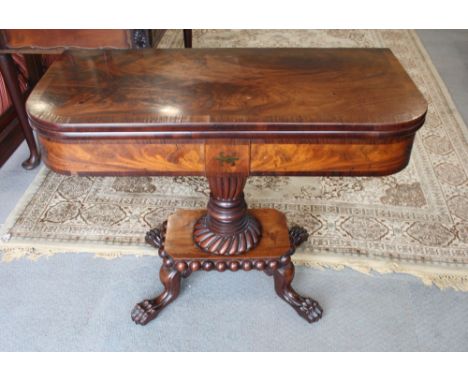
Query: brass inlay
pixel 229 159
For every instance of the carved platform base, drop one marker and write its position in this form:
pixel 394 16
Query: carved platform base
pixel 181 257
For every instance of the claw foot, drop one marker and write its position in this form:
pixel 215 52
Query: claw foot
pixel 310 310
pixel 148 310
pixel 306 307
pixel 145 312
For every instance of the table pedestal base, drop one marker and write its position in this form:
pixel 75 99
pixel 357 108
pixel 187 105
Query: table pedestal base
pixel 181 257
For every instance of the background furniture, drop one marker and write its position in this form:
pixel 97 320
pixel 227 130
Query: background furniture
pixel 188 38
pixel 11 134
pixel 35 42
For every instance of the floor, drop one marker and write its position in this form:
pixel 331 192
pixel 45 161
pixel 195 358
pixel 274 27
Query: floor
pixel 78 302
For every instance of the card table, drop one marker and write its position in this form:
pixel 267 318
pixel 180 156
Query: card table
pixel 227 114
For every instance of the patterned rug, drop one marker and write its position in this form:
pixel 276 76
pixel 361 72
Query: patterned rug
pixel 414 222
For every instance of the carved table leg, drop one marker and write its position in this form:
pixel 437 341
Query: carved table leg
pixel 10 75
pixel 306 307
pixel 148 310
pixel 173 239
pixel 227 228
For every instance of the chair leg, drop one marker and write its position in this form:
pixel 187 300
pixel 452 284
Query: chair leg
pixel 188 38
pixel 10 75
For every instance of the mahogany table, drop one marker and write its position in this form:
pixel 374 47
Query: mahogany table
pixel 227 114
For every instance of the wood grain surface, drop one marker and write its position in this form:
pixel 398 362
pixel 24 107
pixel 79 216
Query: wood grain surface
pixel 124 157
pixel 339 158
pixel 164 157
pixel 187 93
pixel 179 243
pixel 59 39
pixel 220 111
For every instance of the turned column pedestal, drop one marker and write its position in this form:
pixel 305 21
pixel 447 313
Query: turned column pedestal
pixel 227 228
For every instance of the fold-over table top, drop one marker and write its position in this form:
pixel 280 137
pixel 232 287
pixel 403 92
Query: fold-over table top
pixel 227 91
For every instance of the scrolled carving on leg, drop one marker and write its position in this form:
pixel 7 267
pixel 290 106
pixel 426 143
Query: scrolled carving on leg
pixel 306 307
pixel 155 237
pixel 297 235
pixel 148 310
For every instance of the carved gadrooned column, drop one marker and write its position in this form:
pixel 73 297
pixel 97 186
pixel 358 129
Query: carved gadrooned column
pixel 227 228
